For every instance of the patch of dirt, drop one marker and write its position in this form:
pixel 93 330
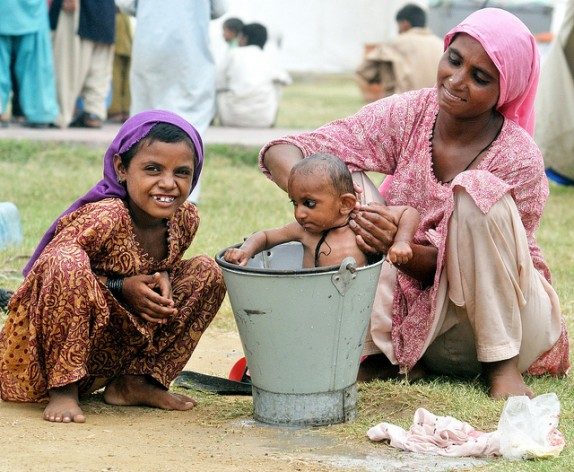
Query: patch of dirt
pixel 125 439
pixel 144 439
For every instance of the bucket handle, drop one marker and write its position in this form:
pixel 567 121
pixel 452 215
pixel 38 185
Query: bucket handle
pixel 344 276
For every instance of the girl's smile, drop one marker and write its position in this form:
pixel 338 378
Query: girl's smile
pixel 158 180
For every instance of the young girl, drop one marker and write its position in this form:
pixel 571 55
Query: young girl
pixel 107 299
pixel 322 192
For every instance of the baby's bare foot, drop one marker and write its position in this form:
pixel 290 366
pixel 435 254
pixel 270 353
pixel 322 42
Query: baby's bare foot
pixel 505 380
pixel 64 406
pixel 134 390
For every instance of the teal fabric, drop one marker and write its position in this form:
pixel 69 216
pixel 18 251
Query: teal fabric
pixel 29 46
pixel 22 16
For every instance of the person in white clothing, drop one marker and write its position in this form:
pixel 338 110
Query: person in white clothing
pixel 172 65
pixel 248 82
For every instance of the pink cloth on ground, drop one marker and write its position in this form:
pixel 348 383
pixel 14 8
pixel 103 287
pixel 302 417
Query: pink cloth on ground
pixel 439 435
pixel 527 429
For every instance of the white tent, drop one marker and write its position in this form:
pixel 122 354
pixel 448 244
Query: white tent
pixel 330 35
pixel 317 35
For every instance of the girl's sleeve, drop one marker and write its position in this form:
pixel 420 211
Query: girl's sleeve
pixel 369 140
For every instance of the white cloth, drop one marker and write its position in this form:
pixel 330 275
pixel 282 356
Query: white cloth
pixel 172 65
pixel 554 104
pixel 248 88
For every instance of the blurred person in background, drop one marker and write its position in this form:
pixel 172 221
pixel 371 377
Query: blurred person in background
pixel 555 132
pixel 26 64
pixel 248 82
pixel 231 29
pixel 83 38
pixel 172 65
pixel 119 109
pixel 409 62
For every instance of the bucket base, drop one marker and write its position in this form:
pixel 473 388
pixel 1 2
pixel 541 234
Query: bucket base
pixel 305 409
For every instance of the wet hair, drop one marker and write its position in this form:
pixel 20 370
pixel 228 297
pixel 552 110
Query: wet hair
pixel 414 14
pixel 255 34
pixel 233 24
pixel 163 132
pixel 330 166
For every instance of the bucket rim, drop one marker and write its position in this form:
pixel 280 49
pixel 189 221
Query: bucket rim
pixel 257 270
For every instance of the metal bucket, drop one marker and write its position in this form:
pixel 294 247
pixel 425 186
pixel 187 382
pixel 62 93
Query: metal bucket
pixel 302 332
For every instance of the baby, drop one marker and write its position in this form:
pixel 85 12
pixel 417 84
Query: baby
pixel 321 189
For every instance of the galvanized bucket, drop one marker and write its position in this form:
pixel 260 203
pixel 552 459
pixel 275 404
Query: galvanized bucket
pixel 302 331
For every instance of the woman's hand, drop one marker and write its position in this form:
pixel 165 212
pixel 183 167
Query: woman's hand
pixel 150 296
pixel 374 226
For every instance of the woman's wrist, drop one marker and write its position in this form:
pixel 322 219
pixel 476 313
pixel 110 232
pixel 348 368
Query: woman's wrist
pixel 115 285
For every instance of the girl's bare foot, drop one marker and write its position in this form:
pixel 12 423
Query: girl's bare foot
pixel 505 380
pixel 64 406
pixel 134 390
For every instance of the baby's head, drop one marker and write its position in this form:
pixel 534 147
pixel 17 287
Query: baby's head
pixel 231 29
pixel 325 166
pixel 321 189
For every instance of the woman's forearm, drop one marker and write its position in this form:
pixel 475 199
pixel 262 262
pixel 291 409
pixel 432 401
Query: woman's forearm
pixel 279 159
pixel 422 266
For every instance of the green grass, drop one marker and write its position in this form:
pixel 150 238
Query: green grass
pixel 313 100
pixel 43 178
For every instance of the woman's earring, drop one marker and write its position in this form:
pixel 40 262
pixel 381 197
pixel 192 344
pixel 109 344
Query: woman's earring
pixel 120 180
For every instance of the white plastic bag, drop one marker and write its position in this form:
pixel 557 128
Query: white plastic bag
pixel 528 427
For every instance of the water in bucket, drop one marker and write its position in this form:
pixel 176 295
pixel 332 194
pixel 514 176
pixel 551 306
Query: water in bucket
pixel 302 332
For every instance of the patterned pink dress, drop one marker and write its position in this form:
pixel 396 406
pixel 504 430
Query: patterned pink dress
pixel 393 136
pixel 65 326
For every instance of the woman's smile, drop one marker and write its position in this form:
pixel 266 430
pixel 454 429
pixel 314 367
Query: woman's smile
pixel 448 95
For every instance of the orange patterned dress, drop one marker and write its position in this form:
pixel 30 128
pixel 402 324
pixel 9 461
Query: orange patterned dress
pixel 65 326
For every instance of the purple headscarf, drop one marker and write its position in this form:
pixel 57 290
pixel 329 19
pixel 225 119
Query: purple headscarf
pixel 132 131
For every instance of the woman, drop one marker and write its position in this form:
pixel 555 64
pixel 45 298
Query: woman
pixel 476 295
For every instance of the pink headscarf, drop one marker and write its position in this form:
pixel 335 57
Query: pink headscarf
pixel 512 48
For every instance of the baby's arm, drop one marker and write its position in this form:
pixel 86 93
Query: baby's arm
pixel 262 240
pixel 407 225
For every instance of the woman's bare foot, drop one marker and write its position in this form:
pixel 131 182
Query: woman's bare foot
pixel 138 390
pixel 505 380
pixel 64 406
